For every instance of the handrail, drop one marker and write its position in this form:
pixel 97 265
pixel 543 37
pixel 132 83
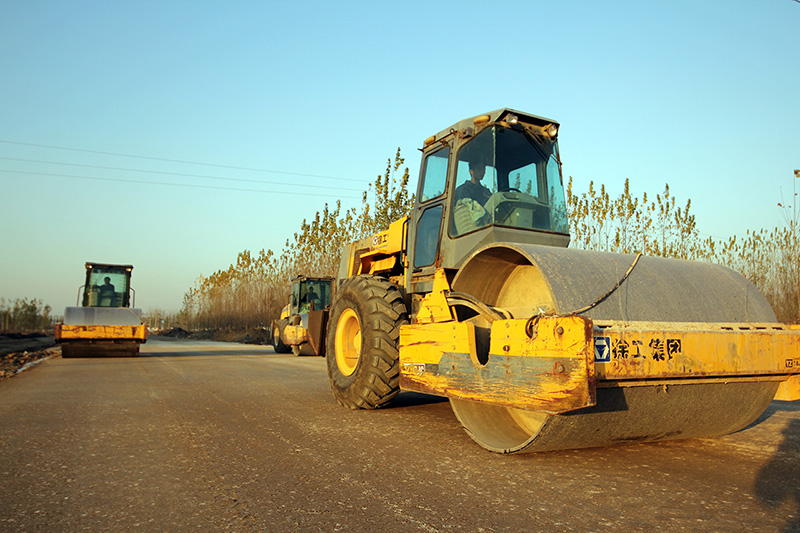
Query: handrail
pixel 78 302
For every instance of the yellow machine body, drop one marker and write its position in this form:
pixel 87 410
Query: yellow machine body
pixel 554 364
pixel 380 254
pixel 67 333
pixel 789 390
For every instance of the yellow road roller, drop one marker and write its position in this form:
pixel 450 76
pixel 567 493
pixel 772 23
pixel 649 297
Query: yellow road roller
pixel 105 323
pixel 301 323
pixel 476 297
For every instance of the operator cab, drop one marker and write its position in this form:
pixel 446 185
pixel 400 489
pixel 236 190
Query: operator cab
pixel 492 178
pixel 107 285
pixel 310 294
pixel 521 183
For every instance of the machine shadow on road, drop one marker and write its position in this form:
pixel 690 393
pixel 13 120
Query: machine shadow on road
pixel 414 399
pixel 779 480
pixel 207 353
pixel 774 407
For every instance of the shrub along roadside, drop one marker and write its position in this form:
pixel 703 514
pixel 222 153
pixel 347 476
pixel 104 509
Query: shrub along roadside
pixel 25 316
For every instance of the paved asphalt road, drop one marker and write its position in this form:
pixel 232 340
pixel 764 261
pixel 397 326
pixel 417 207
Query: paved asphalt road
pixel 213 436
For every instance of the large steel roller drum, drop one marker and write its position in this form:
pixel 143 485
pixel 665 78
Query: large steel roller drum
pixel 527 278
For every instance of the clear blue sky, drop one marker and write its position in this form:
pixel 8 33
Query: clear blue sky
pixel 702 95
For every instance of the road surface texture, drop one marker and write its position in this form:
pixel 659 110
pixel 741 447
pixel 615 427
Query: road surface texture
pixel 212 436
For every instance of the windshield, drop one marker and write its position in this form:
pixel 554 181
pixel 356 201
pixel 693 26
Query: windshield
pixel 106 287
pixel 316 292
pixel 508 177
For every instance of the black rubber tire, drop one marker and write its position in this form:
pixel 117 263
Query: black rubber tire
pixel 380 309
pixel 72 350
pixel 277 341
pixel 68 352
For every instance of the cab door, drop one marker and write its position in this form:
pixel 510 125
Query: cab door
pixel 425 231
pixel 294 306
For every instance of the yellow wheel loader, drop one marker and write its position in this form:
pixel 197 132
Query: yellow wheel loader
pixel 105 323
pixel 302 322
pixel 475 296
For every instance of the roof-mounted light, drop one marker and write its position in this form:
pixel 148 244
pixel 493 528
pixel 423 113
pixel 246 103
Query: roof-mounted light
pixel 512 119
pixel 482 119
pixel 552 131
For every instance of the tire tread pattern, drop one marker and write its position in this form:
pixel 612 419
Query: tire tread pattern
pixel 277 341
pixel 376 380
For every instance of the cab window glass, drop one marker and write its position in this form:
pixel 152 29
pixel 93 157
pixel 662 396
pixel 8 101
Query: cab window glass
pixel 508 177
pixel 323 289
pixel 108 287
pixel 434 177
pixel 427 239
pixel 316 292
pixel 295 297
pixel 476 182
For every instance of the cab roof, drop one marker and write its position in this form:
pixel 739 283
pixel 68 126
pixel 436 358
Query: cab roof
pixel 494 116
pixel 312 278
pixel 107 265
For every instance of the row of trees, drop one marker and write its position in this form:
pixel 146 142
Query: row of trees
pixel 25 316
pixel 770 258
pixel 252 291
pixel 628 224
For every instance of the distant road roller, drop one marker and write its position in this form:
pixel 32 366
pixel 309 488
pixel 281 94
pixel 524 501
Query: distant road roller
pixel 475 296
pixel 105 323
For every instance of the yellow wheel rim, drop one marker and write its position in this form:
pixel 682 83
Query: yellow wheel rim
pixel 348 342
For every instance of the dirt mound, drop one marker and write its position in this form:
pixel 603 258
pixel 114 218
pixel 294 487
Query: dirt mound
pixel 21 336
pixel 245 336
pixel 20 349
pixel 257 336
pixel 206 335
pixel 12 363
pixel 24 342
pixel 178 333
pixel 248 336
